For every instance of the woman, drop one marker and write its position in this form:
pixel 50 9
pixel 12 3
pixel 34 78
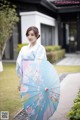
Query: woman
pixel 31 52
pixel 39 81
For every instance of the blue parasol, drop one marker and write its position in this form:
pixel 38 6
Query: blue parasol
pixel 40 89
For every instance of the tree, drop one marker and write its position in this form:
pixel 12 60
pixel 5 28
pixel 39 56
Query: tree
pixel 8 20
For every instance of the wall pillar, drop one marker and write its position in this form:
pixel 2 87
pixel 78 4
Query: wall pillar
pixel 78 32
pixel 60 31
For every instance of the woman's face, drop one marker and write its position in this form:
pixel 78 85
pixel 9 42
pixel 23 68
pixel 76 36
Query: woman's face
pixel 31 37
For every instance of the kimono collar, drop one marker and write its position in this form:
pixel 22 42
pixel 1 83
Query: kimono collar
pixel 35 46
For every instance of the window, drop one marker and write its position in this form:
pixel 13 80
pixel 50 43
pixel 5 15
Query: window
pixel 47 35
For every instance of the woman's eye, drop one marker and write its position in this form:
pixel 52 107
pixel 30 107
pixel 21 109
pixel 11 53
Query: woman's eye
pixel 32 34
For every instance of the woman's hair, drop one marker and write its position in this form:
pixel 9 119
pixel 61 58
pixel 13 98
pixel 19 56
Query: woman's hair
pixel 35 29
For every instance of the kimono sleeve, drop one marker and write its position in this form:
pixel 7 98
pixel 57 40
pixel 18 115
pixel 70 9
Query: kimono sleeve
pixel 41 54
pixel 18 64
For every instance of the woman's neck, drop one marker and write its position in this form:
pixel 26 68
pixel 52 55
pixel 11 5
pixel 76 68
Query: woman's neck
pixel 33 44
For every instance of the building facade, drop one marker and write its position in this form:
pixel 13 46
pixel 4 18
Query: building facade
pixel 58 22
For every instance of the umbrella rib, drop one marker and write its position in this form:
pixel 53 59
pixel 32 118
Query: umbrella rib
pixel 55 92
pixel 54 88
pixel 46 105
pixel 55 98
pixel 32 103
pixel 31 91
pixel 54 107
pixel 50 107
pixel 31 85
pixel 40 106
pixel 33 96
pixel 39 109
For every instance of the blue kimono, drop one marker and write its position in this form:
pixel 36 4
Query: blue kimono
pixel 39 85
pixel 37 52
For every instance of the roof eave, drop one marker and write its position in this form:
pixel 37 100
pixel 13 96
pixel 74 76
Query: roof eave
pixel 48 5
pixel 69 9
pixel 43 3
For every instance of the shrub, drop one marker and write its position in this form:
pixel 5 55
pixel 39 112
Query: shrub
pixel 74 113
pixel 56 55
pixel 52 48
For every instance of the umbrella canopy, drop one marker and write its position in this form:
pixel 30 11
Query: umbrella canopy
pixel 40 89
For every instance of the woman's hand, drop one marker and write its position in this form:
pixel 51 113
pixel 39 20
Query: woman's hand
pixel 19 83
pixel 19 87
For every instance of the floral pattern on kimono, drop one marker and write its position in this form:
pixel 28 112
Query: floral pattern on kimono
pixel 27 53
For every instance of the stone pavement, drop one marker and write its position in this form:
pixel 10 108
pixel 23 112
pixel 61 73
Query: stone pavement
pixel 70 59
pixel 21 115
pixel 69 89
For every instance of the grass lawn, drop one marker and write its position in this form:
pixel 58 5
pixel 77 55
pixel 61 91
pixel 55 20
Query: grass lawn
pixel 9 94
pixel 63 69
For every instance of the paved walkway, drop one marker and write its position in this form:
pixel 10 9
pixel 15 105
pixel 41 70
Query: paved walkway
pixel 69 89
pixel 70 59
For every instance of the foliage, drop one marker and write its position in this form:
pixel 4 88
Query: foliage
pixel 8 19
pixel 55 56
pixel 54 53
pixel 52 48
pixel 74 113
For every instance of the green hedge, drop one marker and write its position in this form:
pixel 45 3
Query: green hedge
pixel 52 48
pixel 74 113
pixel 55 56
pixel 54 53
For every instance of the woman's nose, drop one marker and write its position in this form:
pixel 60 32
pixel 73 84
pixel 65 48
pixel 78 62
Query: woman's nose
pixel 29 37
